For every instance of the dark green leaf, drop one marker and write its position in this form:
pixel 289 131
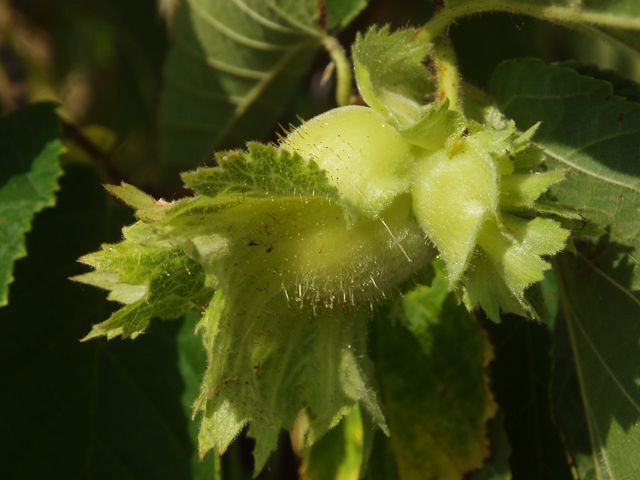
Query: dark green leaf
pixel 232 69
pixel 622 86
pixel 599 326
pixel 587 128
pixel 627 38
pixel 99 410
pixel 434 385
pixel 341 12
pixel 29 171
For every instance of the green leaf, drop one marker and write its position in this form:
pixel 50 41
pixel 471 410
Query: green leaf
pixel 192 362
pixel 82 410
pixel 598 341
pixel 232 69
pixel 341 12
pixel 29 149
pixel 588 129
pixel 390 74
pixel 433 381
pixel 622 86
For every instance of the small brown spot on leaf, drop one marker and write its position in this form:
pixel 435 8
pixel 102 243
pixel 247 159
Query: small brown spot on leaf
pixel 621 117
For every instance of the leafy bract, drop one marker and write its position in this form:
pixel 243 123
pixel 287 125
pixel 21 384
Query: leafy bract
pixel 231 69
pixel 260 173
pixel 594 133
pixel 285 284
pixel 433 380
pixel 475 200
pixel 390 75
pixel 29 149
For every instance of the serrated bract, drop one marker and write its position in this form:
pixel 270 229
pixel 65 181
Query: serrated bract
pixel 287 250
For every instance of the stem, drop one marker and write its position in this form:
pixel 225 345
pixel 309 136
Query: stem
pixel 446 64
pixel 434 27
pixel 344 77
pixel 74 134
pixel 555 14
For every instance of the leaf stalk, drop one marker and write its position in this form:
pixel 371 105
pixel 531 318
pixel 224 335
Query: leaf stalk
pixel 446 64
pixel 344 75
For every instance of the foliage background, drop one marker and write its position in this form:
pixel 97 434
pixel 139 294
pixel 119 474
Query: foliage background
pixel 120 409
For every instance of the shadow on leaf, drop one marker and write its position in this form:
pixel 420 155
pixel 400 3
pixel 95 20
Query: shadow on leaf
pixel 596 387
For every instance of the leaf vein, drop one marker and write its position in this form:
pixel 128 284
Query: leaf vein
pixel 172 80
pixel 218 65
pixel 585 171
pixel 602 139
pixel 235 36
pixel 255 92
pixel 262 20
pixel 300 26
